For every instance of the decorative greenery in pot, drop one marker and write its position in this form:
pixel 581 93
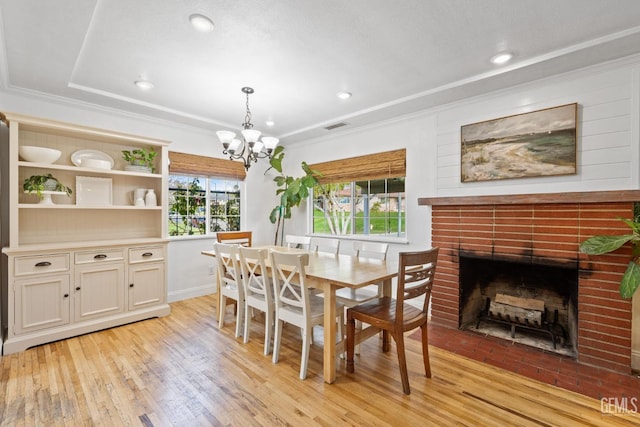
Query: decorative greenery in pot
pixel 140 157
pixel 598 245
pixel 292 191
pixel 39 183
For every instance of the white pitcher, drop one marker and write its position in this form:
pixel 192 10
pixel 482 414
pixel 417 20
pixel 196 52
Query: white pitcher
pixel 138 196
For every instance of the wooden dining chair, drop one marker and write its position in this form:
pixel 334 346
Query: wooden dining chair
pixel 258 292
pixel 295 305
pixel 293 241
pixel 229 273
pixel 394 315
pixel 238 237
pixel 328 245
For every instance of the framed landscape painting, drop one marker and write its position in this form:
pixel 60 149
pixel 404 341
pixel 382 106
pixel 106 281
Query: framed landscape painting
pixel 539 143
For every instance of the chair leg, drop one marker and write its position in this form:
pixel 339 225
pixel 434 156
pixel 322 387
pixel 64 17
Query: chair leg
pixel 425 350
pixel 276 341
pixel 359 328
pixel 306 347
pixel 351 330
pixel 239 318
pixel 247 322
pixel 223 306
pixel 268 328
pixel 402 361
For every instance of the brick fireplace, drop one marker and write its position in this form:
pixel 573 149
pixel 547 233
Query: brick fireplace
pixel 544 229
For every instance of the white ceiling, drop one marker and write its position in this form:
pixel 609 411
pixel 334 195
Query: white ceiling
pixel 396 57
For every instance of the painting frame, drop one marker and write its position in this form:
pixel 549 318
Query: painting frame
pixel 538 143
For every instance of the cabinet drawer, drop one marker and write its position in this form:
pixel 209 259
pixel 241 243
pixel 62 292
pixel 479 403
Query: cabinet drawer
pixel 52 263
pixel 99 255
pixel 146 254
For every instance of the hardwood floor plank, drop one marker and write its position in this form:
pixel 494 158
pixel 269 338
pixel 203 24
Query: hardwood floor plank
pixel 181 370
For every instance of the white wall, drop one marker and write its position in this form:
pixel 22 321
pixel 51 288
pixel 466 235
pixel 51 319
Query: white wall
pixel 608 153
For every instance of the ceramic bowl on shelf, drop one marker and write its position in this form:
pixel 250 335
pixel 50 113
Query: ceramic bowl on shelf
pixel 34 154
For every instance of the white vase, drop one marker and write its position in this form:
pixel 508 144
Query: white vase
pixel 150 198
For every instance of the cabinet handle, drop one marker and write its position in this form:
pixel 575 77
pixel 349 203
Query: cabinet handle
pixel 77 288
pixel 100 256
pixel 131 285
pixel 147 254
pixel 66 295
pixel 43 264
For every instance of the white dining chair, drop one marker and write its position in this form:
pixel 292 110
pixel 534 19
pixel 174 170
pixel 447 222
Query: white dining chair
pixel 227 257
pixel 258 292
pixel 329 245
pixel 295 305
pixel 351 297
pixel 293 241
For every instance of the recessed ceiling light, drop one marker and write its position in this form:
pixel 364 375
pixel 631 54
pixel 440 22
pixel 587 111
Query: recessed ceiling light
pixel 501 58
pixel 269 123
pixel 344 95
pixel 144 84
pixel 201 23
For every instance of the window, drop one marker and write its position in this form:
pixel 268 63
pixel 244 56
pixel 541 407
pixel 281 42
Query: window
pixel 361 195
pixel 199 205
pixel 374 207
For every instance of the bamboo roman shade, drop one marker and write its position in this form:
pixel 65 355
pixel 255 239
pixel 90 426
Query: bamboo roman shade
pixel 390 164
pixel 200 165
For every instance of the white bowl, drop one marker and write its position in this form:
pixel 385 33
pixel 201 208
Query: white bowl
pixel 34 154
pixel 95 164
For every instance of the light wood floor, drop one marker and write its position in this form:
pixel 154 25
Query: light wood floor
pixel 181 371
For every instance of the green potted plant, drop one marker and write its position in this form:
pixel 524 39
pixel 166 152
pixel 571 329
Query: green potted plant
pixel 43 186
pixel 598 245
pixel 39 183
pixel 292 191
pixel 140 157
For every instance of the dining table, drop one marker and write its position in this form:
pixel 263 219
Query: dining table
pixel 328 273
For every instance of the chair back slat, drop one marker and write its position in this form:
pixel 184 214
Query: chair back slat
pixel 227 258
pixel 254 271
pixel 289 283
pixel 294 241
pixel 374 250
pixel 328 245
pixel 235 237
pixel 415 278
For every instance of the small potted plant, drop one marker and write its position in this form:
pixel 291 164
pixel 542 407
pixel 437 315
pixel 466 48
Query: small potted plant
pixel 140 158
pixel 40 185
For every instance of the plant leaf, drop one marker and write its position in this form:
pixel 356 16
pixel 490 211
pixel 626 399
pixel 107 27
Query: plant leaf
pixel 598 245
pixel 274 215
pixel 630 280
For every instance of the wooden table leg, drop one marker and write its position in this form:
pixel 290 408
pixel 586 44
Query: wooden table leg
pixel 329 333
pixel 386 340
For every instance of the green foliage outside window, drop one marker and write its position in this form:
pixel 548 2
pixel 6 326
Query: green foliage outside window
pixel 188 205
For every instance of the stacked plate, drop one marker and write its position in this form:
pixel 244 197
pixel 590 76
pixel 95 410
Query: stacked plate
pixel 137 168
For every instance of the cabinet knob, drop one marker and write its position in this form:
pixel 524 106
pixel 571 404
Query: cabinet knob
pixel 147 254
pixel 131 285
pixel 77 288
pixel 43 264
pixel 100 256
pixel 66 295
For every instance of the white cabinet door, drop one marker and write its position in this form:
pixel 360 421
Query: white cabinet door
pixel 41 302
pixel 146 285
pixel 99 290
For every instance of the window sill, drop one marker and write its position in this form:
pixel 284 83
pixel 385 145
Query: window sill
pixel 366 238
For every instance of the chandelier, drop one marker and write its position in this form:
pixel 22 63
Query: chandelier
pixel 250 148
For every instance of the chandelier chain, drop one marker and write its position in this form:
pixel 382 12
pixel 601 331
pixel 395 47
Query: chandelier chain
pixel 247 118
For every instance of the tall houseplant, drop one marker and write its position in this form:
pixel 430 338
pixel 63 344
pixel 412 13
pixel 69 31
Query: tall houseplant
pixel 598 245
pixel 292 191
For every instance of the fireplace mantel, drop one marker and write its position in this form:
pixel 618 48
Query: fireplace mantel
pixel 539 198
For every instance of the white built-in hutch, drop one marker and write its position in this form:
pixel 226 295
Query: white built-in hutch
pixel 72 267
